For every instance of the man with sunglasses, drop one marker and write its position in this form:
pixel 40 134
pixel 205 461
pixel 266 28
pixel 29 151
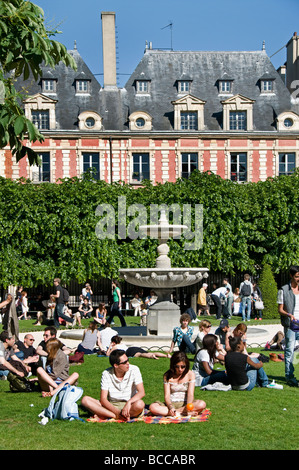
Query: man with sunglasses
pixel 122 390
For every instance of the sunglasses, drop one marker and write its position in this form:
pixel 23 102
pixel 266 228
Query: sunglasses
pixel 124 362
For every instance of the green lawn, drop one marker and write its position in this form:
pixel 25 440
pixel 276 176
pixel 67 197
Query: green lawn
pixel 260 419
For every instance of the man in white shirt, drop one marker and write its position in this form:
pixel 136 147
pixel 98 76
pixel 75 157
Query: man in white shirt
pixel 122 390
pixel 106 334
pixel 217 294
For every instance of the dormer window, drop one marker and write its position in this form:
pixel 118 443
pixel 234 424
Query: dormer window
pixel 41 119
pixel 225 86
pixel 142 86
pixel 184 86
pixel 188 113
pixel 237 113
pixel 48 85
pixel 82 86
pixel 140 121
pixel 267 86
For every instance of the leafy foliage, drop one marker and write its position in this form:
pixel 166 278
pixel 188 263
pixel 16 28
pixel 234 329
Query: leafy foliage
pixel 48 230
pixel 25 45
pixel 268 288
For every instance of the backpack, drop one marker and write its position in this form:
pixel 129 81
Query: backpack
pixel 65 407
pixel 246 290
pixel 65 294
pixel 19 384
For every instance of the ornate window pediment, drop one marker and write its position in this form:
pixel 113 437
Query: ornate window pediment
pixel 41 105
pixel 188 113
pixel 237 113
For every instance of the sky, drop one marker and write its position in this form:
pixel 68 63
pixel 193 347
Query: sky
pixel 197 25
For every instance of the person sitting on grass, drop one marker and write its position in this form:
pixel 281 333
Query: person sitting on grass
pixel 182 335
pixel 122 391
pixel 101 314
pixel 204 362
pixel 90 340
pixel 56 374
pixel 179 384
pixel 243 372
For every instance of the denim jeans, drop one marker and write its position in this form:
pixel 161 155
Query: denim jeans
pixel 256 376
pixel 58 313
pixel 187 345
pixel 246 301
pixel 115 310
pixel 215 377
pixel 290 339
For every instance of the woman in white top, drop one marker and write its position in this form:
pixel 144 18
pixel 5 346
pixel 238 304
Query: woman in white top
pixel 204 362
pixel 179 383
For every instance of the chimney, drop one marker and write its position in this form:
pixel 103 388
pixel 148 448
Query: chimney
pixel 109 49
pixel 292 62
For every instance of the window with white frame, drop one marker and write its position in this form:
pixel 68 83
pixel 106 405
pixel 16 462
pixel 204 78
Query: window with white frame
pixel 238 120
pixel 82 86
pixel 189 164
pixel 142 86
pixel 49 85
pixel 225 86
pixel 41 119
pixel 238 167
pixel 41 173
pixel 189 120
pixel 91 163
pixel 141 167
pixel 287 163
pixel 267 86
pixel 184 86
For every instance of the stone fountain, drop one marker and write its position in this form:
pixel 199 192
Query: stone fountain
pixel 164 315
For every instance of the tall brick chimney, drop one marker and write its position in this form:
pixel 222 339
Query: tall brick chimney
pixel 292 62
pixel 109 49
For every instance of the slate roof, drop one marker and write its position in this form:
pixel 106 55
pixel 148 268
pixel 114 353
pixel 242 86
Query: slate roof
pixel 205 69
pixel 164 69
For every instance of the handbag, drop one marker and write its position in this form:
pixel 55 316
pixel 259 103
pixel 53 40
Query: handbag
pixel 259 305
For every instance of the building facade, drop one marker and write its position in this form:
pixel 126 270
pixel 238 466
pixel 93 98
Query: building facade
pixel 230 113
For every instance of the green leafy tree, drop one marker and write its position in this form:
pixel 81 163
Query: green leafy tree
pixel 25 43
pixel 268 287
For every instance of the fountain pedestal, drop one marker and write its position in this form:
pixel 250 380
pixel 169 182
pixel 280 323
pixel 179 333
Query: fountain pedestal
pixel 164 314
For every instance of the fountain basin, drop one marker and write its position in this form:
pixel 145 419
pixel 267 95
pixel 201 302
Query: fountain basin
pixel 161 278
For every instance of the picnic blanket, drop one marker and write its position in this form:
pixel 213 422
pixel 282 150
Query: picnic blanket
pixel 150 419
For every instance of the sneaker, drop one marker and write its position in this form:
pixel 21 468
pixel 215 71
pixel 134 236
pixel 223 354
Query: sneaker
pixel 273 384
pixel 3 377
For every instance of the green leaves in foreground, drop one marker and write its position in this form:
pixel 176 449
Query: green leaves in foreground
pixel 25 45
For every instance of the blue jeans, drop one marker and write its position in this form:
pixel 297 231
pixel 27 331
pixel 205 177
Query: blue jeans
pixel 290 338
pixel 256 376
pixel 58 313
pixel 4 372
pixel 246 301
pixel 215 377
pixel 187 345
pixel 115 310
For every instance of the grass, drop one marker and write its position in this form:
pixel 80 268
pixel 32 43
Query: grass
pixel 259 420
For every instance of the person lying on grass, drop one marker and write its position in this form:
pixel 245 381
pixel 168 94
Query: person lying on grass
pixel 132 351
pixel 122 390
pixel 179 383
pixel 56 374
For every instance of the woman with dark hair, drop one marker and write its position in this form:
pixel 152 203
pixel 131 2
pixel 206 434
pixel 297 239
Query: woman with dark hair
pixel 116 305
pixel 90 339
pixel 179 383
pixel 204 362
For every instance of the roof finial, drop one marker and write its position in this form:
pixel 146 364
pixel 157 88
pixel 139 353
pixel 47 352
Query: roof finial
pixel 75 45
pixel 264 46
